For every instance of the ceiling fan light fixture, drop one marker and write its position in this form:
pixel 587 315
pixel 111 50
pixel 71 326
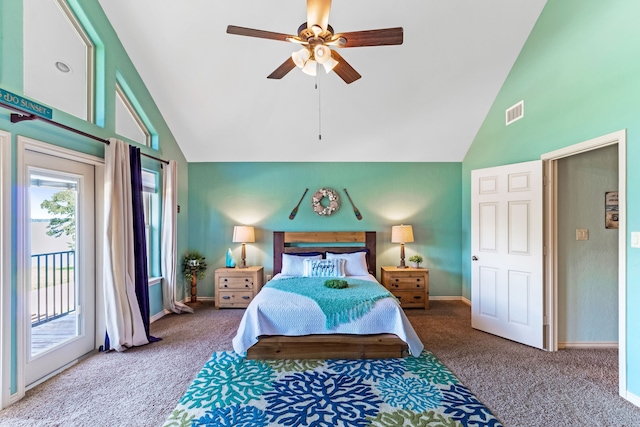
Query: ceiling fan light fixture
pixel 301 57
pixel 316 30
pixel 310 67
pixel 321 53
pixel 329 65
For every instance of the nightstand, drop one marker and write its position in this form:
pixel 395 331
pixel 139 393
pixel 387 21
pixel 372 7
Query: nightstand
pixel 236 287
pixel 409 285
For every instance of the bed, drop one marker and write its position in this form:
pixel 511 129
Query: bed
pixel 282 325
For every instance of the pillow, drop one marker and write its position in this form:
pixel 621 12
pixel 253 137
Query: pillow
pixel 293 265
pixel 356 262
pixel 324 267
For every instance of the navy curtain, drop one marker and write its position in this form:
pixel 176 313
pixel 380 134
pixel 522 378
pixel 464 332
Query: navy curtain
pixel 139 240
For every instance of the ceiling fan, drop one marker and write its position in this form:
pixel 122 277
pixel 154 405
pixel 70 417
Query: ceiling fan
pixel 317 37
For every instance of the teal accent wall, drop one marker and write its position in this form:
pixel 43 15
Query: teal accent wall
pixel 424 195
pixel 111 59
pixel 587 269
pixel 578 75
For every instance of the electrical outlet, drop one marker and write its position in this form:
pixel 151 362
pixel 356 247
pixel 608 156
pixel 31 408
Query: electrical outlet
pixel 635 239
pixel 268 277
pixel 582 234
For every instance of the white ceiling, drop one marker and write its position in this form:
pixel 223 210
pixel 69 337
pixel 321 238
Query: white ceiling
pixel 422 101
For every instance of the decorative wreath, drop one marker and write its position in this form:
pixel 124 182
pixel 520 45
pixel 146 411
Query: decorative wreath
pixel 334 201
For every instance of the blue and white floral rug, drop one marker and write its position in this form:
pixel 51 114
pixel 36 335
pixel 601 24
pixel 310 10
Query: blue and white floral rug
pixel 414 391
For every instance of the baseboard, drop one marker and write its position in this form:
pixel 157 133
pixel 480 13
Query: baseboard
pixel 589 344
pixel 450 298
pixel 158 315
pixel 200 299
pixel 632 398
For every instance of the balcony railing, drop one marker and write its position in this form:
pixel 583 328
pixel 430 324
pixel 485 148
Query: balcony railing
pixel 52 286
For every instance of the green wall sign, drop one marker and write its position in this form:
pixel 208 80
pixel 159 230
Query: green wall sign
pixel 25 104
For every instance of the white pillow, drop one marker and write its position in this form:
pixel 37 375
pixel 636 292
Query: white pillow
pixel 356 263
pixel 324 267
pixel 293 265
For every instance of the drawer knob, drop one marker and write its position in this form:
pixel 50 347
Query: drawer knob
pixel 225 286
pixel 417 297
pixel 246 286
pixel 246 280
pixel 225 280
pixel 226 297
pixel 245 297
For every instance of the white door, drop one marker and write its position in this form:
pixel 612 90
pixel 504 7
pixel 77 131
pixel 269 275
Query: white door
pixel 507 252
pixel 60 267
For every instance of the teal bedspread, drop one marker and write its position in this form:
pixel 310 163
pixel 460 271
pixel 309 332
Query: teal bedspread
pixel 338 305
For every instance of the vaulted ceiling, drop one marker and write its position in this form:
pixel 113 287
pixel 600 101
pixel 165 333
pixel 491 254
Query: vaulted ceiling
pixel 421 101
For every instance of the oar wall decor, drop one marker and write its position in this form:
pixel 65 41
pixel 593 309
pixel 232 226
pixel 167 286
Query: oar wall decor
pixel 295 210
pixel 355 210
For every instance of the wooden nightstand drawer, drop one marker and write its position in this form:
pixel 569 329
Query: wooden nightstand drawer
pixel 409 285
pixel 225 282
pixel 399 282
pixel 235 298
pixel 236 287
pixel 410 299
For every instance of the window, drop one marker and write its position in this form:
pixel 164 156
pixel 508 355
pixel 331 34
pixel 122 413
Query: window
pixel 151 220
pixel 58 58
pixel 128 121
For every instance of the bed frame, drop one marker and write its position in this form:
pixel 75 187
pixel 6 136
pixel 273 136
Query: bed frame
pixel 329 346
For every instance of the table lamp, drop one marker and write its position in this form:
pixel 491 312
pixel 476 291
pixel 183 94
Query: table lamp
pixel 244 234
pixel 401 234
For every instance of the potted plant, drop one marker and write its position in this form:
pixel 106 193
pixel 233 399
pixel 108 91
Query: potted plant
pixel 193 268
pixel 416 260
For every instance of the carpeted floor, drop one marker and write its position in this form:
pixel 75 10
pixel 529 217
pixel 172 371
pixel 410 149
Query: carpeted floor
pixel 520 385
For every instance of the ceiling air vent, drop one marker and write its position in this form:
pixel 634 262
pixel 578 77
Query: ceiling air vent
pixel 515 113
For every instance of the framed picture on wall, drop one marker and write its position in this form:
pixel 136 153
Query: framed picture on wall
pixel 611 209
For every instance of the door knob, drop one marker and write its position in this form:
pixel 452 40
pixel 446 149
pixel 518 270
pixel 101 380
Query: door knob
pixel 474 258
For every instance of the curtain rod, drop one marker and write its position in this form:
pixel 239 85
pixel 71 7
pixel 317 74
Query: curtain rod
pixel 22 116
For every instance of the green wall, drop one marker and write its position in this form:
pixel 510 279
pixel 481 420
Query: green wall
pixel 111 59
pixel 578 74
pixel 424 195
pixel 587 269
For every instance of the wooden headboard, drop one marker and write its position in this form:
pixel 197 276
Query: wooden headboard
pixel 320 241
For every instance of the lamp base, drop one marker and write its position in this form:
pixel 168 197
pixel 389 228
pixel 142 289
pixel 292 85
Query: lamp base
pixel 401 266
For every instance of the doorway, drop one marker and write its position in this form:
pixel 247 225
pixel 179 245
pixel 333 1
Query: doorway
pixel 57 262
pixel 551 242
pixel 588 249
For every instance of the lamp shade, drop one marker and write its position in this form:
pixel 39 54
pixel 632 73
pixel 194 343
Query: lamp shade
pixel 329 65
pixel 243 234
pixel 301 57
pixel 321 53
pixel 401 234
pixel 310 67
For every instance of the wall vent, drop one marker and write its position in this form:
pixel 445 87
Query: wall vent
pixel 515 113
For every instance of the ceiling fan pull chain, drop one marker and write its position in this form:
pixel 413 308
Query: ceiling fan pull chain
pixel 319 109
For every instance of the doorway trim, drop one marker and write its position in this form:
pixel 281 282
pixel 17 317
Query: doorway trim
pixel 6 259
pixel 22 259
pixel 551 242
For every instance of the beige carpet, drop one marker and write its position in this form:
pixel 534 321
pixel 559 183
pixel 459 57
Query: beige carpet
pixel 521 385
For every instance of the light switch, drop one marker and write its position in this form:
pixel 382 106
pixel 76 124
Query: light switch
pixel 582 234
pixel 635 239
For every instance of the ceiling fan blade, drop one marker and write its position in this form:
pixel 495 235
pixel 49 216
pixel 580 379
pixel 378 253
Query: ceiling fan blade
pixel 282 70
pixel 318 13
pixel 343 69
pixel 261 34
pixel 381 37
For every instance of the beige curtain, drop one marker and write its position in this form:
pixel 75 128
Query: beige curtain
pixel 169 240
pixel 125 327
